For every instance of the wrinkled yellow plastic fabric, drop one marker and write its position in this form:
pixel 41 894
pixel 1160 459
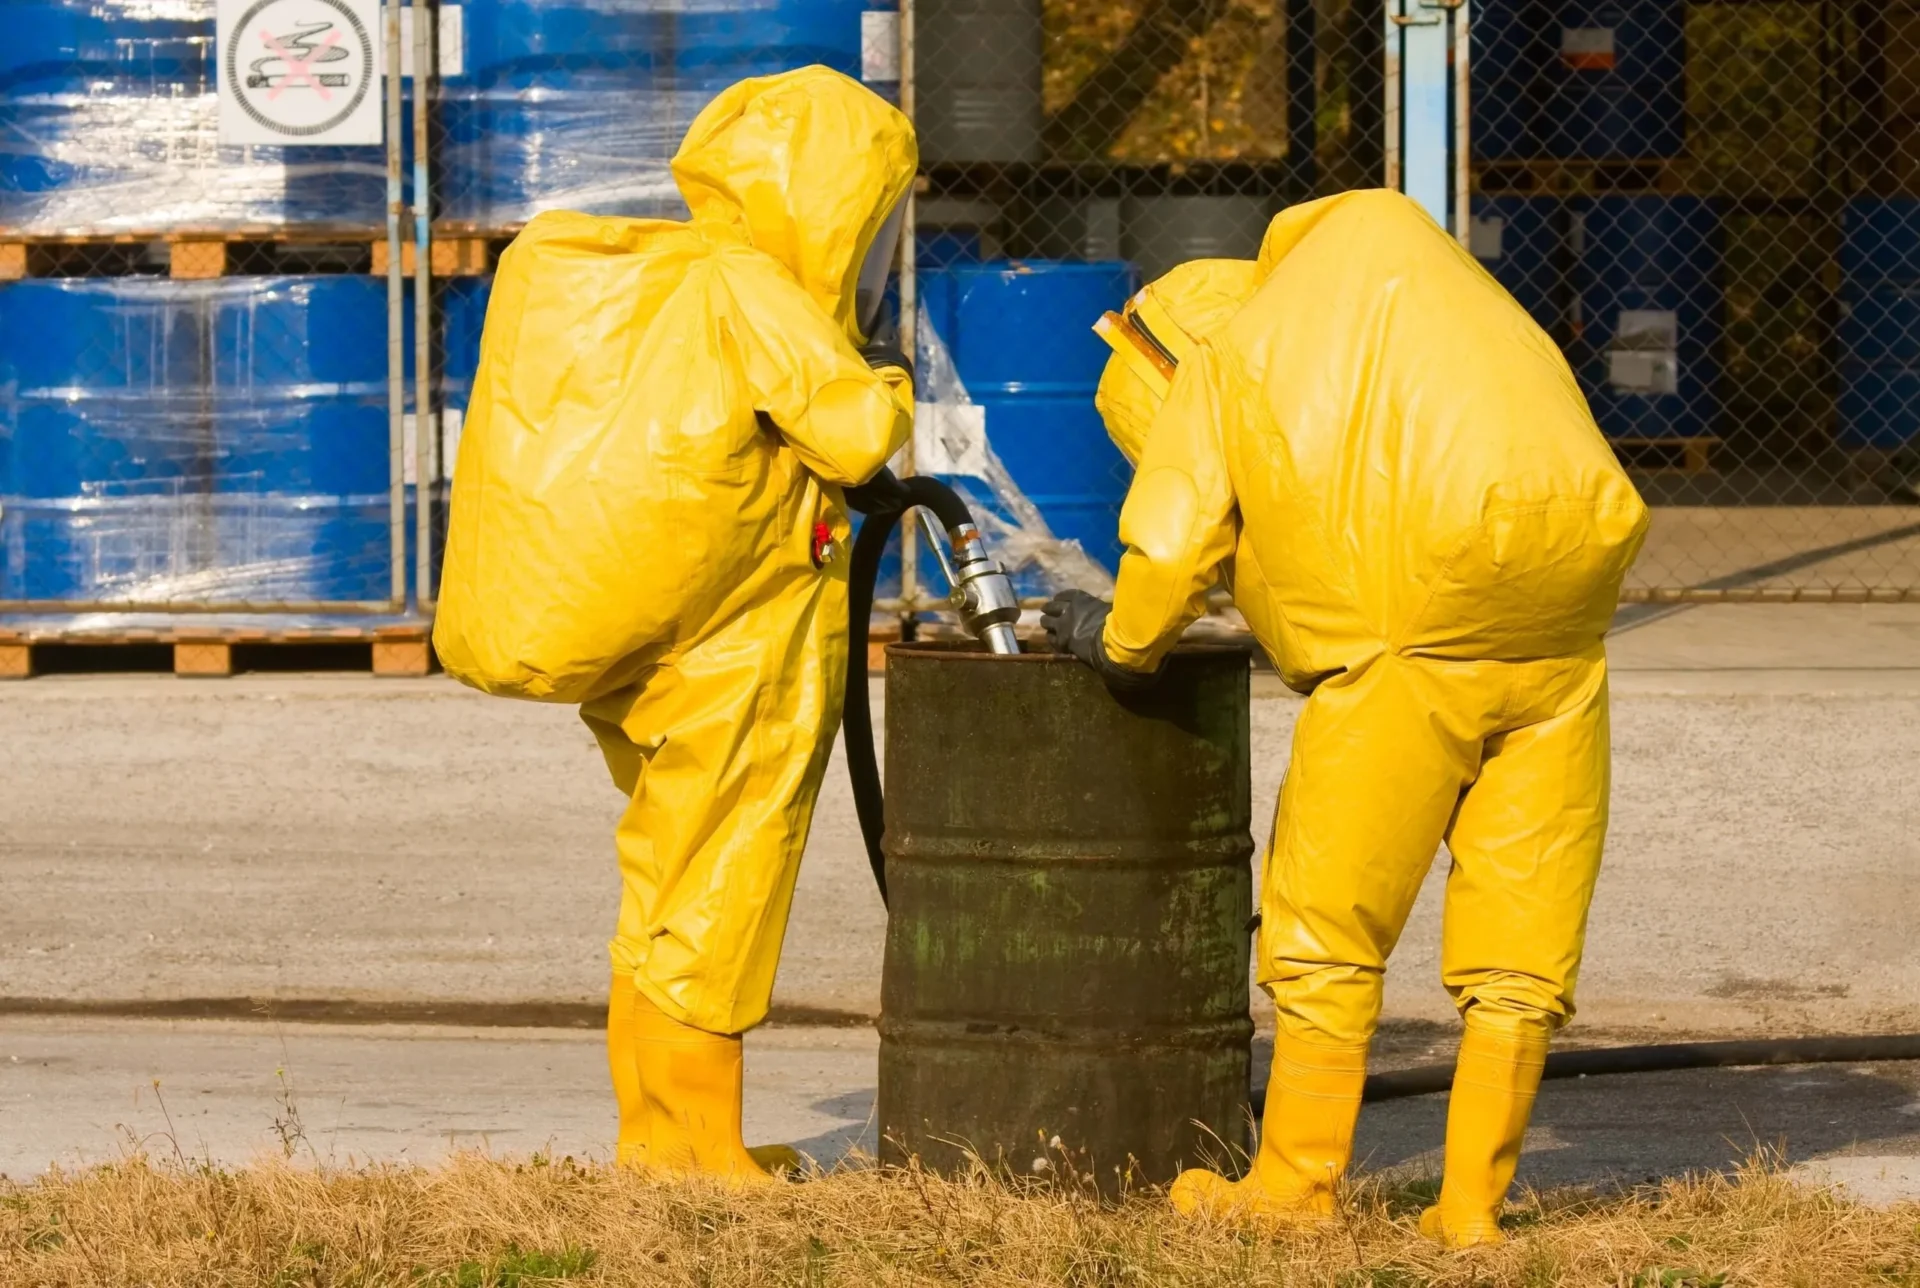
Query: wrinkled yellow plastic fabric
pixel 1394 457
pixel 663 413
pixel 1507 762
pixel 1427 533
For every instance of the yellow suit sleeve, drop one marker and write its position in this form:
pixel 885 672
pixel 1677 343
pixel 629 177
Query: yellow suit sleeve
pixel 1180 523
pixel 843 419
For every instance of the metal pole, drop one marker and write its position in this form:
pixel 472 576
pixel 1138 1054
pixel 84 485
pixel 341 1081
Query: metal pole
pixel 1390 99
pixel 1462 124
pixel 426 426
pixel 909 314
pixel 396 334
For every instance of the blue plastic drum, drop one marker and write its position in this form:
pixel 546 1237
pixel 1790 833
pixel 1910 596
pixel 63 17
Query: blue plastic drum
pixel 578 105
pixel 103 434
pixel 1521 241
pixel 1615 86
pixel 1649 321
pixel 300 384
pixel 1880 324
pixel 221 440
pixel 1509 52
pixel 1019 334
pixel 463 315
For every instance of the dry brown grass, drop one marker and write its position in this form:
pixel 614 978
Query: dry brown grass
pixel 479 1221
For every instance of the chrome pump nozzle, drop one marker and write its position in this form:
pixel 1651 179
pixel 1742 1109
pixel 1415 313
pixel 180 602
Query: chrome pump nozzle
pixel 982 593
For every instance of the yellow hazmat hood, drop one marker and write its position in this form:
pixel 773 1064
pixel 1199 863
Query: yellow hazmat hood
pixel 1169 314
pixel 806 165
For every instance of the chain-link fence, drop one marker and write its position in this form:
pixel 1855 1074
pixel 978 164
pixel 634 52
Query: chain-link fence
pixel 1710 206
pixel 1713 208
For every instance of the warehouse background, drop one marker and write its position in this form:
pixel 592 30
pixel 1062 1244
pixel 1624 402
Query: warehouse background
pixel 227 407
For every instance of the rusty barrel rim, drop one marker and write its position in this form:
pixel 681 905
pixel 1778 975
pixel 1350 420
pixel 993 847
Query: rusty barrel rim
pixel 971 650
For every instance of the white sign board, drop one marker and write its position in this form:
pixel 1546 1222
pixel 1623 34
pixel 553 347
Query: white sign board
pixel 950 438
pixel 880 45
pixel 300 72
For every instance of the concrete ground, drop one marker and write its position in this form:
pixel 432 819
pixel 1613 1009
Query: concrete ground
pixel 339 847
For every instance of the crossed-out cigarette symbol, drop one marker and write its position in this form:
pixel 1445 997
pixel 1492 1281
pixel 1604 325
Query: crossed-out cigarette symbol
pixel 300 69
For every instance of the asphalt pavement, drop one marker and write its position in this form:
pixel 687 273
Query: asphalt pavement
pixel 281 852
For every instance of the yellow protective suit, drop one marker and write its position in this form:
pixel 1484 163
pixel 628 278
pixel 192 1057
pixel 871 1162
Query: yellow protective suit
pixel 1424 528
pixel 662 421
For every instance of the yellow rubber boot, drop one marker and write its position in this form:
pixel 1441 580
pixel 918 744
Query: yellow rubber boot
pixel 691 1084
pixel 623 1064
pixel 1306 1139
pixel 1495 1080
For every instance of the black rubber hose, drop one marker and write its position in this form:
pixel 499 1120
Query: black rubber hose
pixel 941 499
pixel 856 720
pixel 1427 1079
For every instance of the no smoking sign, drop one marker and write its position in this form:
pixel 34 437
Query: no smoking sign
pixel 300 71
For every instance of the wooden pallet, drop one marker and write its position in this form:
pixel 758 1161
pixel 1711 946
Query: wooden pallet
pixel 198 254
pixel 200 650
pixel 1551 178
pixel 1666 455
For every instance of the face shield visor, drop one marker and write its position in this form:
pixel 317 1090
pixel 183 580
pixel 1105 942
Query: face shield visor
pixel 1137 376
pixel 871 286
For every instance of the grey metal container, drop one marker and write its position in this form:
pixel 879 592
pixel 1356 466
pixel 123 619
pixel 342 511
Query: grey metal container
pixel 1076 228
pixel 977 81
pixel 1162 232
pixel 1067 945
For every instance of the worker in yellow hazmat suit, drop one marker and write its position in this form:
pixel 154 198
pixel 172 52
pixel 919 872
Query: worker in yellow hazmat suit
pixel 648 519
pixel 1395 471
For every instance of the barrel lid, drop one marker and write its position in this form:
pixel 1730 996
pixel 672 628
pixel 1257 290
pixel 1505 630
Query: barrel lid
pixel 1040 654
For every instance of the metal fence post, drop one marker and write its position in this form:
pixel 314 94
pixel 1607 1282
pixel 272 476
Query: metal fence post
pixel 426 436
pixel 396 316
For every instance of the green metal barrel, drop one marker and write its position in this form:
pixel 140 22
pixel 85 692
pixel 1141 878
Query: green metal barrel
pixel 1065 984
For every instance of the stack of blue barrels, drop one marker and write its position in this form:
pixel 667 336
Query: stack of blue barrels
pixel 226 441
pixel 110 120
pixel 208 441
pixel 579 104
pixel 1880 324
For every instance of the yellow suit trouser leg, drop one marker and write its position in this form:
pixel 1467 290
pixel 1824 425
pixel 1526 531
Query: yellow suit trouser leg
pixel 1526 847
pixel 1384 758
pixel 722 748
pixel 1377 768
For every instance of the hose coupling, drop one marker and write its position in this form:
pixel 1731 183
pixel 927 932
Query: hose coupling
pixel 982 592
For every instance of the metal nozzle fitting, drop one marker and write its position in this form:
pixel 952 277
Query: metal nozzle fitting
pixel 982 592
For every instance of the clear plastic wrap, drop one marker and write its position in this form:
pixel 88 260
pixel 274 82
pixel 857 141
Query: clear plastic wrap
pixel 109 122
pixel 101 160
pixel 957 447
pixel 195 547
pixel 505 154
pixel 194 442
